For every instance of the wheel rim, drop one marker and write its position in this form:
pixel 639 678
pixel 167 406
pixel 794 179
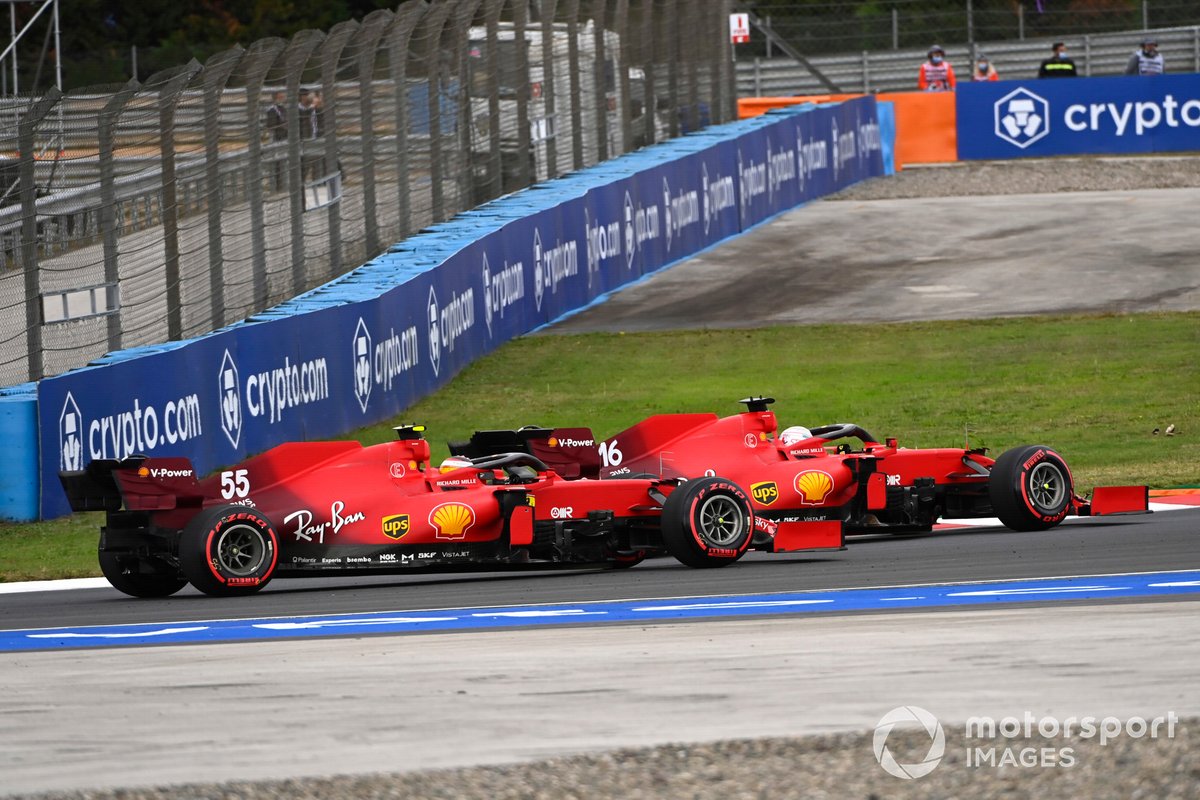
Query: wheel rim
pixel 1047 487
pixel 721 520
pixel 241 550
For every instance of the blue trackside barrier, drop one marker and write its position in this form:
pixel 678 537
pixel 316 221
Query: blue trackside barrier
pixel 1024 119
pixel 369 344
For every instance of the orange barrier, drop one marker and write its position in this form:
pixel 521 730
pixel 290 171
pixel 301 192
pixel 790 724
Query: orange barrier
pixel 926 127
pixel 926 122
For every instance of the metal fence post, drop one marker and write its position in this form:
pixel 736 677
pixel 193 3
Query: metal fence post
pixel 108 200
pixel 295 57
pixel 549 9
pixel 495 161
pixel 649 101
pixel 170 84
pixel 600 97
pixel 29 237
pixel 399 39
pixel 525 175
pixel 368 38
pixel 435 64
pixel 572 11
pixel 668 51
pixel 259 59
pixel 216 74
pixel 622 76
pixel 330 53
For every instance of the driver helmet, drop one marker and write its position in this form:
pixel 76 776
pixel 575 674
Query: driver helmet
pixel 796 433
pixel 454 462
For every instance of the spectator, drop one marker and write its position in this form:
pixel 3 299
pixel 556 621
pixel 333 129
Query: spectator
pixel 1058 65
pixel 936 74
pixel 277 118
pixel 1147 61
pixel 984 70
pixel 277 129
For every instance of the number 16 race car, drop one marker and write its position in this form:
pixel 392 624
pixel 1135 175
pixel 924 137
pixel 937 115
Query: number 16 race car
pixel 804 479
pixel 337 508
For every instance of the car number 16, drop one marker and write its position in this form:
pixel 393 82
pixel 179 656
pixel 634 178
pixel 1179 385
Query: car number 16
pixel 610 455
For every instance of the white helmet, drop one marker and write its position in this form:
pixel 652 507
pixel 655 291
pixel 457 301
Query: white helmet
pixel 796 433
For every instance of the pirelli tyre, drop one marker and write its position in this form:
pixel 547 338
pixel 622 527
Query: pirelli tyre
pixel 140 577
pixel 1031 488
pixel 707 522
pixel 229 550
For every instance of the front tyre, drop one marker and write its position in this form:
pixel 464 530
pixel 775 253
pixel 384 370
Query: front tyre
pixel 707 522
pixel 136 577
pixel 1030 488
pixel 229 550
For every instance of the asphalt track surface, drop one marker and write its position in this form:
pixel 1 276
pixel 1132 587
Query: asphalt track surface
pixel 1165 541
pixel 929 258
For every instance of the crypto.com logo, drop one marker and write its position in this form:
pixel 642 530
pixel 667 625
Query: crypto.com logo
pixel 1022 118
pixel 70 436
pixel 909 715
pixel 229 390
pixel 361 353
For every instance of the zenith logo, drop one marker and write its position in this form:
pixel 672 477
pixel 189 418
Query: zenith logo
pixel 229 390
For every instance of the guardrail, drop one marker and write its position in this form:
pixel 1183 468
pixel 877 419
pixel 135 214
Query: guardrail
pixel 896 70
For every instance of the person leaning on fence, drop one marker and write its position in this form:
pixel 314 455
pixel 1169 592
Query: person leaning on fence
pixel 1058 65
pixel 1146 61
pixel 276 125
pixel 936 74
pixel 985 70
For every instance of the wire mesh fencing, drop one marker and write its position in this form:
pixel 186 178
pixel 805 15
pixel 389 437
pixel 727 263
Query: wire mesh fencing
pixel 155 211
pixel 841 26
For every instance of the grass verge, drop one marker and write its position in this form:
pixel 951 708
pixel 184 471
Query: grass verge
pixel 1093 387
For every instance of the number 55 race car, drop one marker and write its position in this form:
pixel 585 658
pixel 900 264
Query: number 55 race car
pixel 337 508
pixel 807 478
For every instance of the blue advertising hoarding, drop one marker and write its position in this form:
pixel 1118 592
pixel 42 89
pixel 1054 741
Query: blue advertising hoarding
pixel 368 345
pixel 1021 119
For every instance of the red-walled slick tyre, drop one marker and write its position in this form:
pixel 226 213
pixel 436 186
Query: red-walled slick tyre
pixel 707 522
pixel 229 550
pixel 1030 488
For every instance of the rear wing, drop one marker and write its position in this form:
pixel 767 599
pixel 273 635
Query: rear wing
pixel 571 452
pixel 137 483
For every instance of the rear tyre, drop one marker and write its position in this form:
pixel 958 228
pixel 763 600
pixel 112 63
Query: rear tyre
pixel 707 522
pixel 229 550
pixel 1031 488
pixel 126 574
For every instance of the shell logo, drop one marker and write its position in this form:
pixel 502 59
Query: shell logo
pixel 553 442
pixel 451 520
pixel 143 472
pixel 814 486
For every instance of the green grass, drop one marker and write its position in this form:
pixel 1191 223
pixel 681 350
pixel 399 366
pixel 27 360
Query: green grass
pixel 1094 387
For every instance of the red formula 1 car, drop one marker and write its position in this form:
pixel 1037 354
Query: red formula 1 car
pixel 797 486
pixel 334 508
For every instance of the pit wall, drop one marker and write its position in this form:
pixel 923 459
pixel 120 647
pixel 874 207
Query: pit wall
pixel 363 348
pixel 1032 118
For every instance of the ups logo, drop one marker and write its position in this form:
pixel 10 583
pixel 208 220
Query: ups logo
pixel 395 526
pixel 765 493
